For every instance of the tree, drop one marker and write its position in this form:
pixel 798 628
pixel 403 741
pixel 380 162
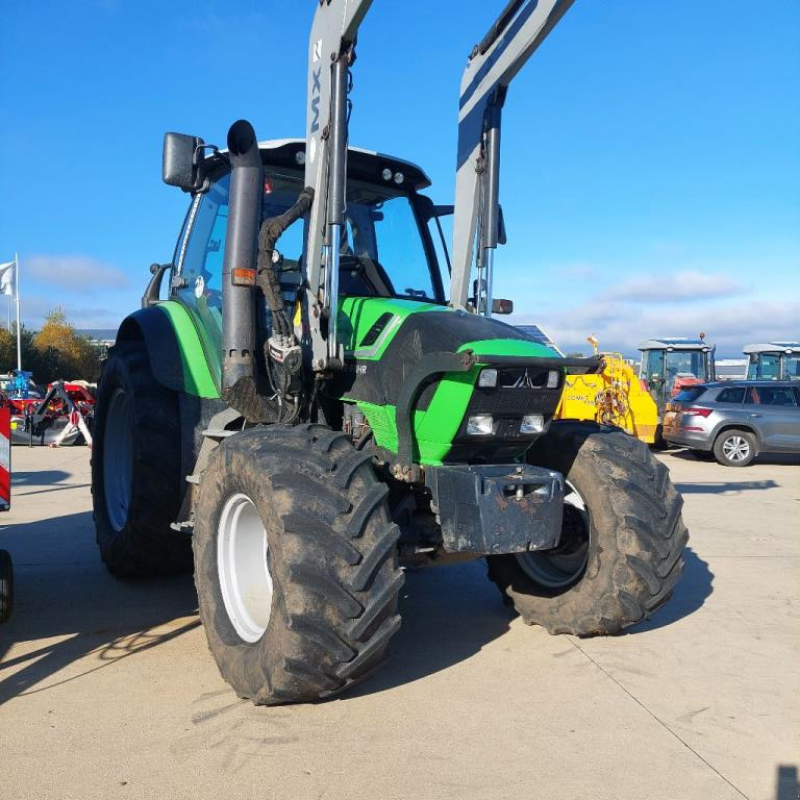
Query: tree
pixel 65 351
pixel 56 351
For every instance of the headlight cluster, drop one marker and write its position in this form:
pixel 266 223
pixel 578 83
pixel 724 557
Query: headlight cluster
pixel 483 425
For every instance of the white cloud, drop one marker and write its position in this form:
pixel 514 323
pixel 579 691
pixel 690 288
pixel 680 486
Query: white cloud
pixel 622 325
pixel 73 273
pixel 688 285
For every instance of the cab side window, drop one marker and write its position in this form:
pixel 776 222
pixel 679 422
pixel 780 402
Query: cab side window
pixel 733 395
pixel 777 396
pixel 201 268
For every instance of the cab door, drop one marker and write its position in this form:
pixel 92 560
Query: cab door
pixel 775 412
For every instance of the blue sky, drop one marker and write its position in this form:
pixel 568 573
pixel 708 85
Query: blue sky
pixel 651 165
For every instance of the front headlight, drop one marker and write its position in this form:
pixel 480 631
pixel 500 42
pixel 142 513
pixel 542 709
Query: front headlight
pixel 487 379
pixel 532 423
pixel 481 425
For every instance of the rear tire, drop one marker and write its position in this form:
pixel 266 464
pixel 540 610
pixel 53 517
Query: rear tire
pixel 137 484
pixel 6 586
pixel 622 545
pixel 295 563
pixel 735 448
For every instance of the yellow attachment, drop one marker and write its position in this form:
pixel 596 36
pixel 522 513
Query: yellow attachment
pixel 612 397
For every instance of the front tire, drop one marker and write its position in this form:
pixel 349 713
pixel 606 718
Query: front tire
pixel 735 448
pixel 137 484
pixel 295 564
pixel 623 537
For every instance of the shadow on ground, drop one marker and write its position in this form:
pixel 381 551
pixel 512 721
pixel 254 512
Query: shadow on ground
pixel 45 477
pixel 70 607
pixel 787 786
pixel 725 487
pixel 691 592
pixel 449 614
pixel 792 459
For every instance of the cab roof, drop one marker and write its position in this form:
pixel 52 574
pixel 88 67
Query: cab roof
pixel 364 164
pixel 772 347
pixel 675 343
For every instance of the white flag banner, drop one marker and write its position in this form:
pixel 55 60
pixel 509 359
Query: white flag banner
pixel 7 278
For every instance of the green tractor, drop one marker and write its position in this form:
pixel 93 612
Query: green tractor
pixel 309 409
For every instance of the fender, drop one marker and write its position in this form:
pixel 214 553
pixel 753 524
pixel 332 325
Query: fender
pixel 176 353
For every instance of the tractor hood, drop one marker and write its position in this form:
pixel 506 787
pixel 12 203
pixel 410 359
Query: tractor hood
pixel 387 340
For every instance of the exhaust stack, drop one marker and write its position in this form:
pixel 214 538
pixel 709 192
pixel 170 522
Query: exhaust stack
pixel 241 254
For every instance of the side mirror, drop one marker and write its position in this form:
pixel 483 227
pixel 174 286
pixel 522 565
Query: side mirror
pixel 443 211
pixel 180 160
pixel 429 210
pixel 502 306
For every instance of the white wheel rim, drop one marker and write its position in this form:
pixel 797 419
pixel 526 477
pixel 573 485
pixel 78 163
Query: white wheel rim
pixel 552 569
pixel 242 567
pixel 736 448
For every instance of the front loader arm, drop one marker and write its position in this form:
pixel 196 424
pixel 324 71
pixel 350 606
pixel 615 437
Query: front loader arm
pixel 333 36
pixel 493 64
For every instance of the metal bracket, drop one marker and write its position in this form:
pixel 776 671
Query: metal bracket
pixel 212 436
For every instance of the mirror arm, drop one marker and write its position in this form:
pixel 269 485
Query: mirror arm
pixel 151 294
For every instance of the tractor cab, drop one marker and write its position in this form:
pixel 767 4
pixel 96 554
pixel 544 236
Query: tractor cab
pixel 671 364
pixel 777 361
pixel 389 245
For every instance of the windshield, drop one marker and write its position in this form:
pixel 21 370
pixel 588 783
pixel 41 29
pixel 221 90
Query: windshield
pixel 670 370
pixel 686 365
pixel 383 252
pixel 764 367
pixel 791 368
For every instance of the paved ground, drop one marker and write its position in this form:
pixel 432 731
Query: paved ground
pixel 107 689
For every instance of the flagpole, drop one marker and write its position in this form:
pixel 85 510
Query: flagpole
pixel 19 331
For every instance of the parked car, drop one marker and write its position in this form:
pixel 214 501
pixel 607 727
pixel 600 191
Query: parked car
pixel 736 420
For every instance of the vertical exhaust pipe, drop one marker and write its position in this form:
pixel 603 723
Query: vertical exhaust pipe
pixel 241 255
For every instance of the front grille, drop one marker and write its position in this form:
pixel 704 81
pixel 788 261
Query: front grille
pixel 507 406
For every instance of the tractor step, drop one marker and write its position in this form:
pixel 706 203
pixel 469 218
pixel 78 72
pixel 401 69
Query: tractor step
pixel 217 434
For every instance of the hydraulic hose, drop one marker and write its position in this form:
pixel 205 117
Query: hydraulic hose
pixel 271 230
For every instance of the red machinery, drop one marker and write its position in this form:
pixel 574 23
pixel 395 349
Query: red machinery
pixel 62 417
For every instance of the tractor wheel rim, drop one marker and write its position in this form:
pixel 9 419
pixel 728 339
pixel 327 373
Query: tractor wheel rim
pixel 736 448
pixel 563 566
pixel 118 459
pixel 243 568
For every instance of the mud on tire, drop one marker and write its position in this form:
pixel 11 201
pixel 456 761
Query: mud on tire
pixel 636 535
pixel 133 524
pixel 332 558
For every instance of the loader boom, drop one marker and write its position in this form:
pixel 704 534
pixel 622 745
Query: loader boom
pixel 330 55
pixel 493 64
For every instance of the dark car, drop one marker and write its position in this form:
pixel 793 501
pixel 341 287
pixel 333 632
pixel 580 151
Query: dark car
pixel 736 420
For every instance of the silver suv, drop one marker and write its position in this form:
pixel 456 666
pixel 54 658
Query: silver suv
pixel 735 420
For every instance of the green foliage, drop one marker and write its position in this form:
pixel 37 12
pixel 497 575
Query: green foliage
pixel 52 353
